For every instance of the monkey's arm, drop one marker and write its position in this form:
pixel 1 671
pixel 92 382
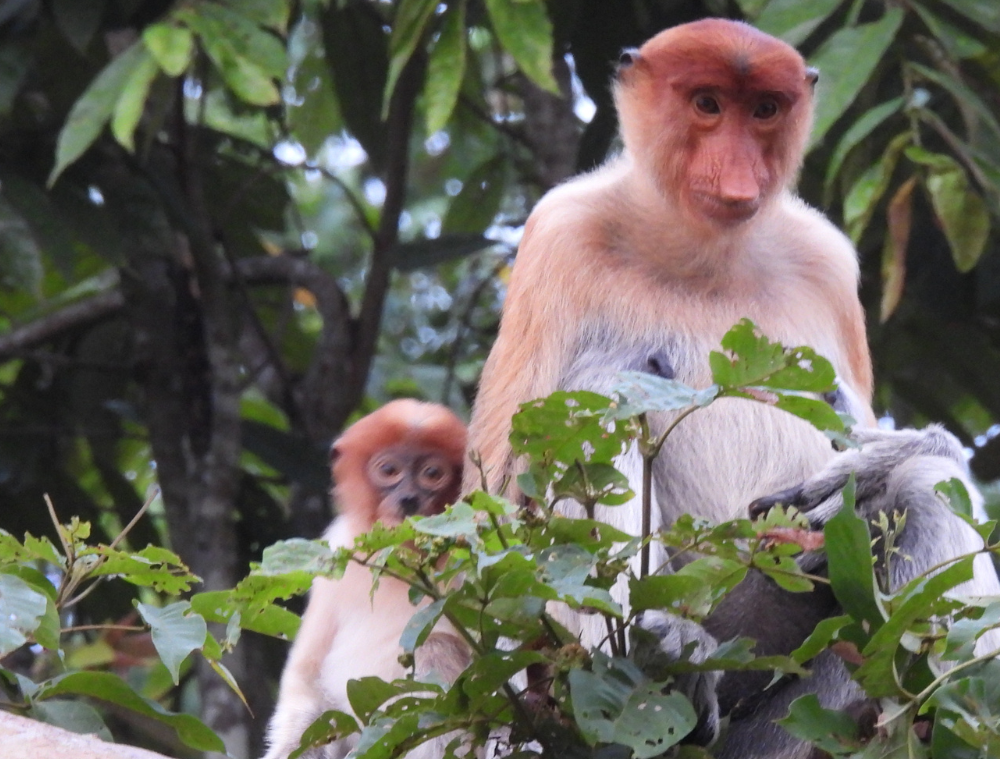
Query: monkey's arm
pixel 531 349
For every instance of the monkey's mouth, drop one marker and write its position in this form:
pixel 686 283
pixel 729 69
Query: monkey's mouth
pixel 726 212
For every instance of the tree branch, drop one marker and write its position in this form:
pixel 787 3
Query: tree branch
pixel 74 316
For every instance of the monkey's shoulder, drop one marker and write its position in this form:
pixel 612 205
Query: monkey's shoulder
pixel 808 234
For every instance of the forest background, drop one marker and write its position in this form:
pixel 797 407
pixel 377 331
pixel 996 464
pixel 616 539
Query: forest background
pixel 228 228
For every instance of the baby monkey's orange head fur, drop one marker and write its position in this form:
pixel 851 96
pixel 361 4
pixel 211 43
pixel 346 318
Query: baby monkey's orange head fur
pixel 719 112
pixel 403 459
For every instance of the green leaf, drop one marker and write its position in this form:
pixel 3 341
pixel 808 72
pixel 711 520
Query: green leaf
pixel 269 619
pixel 616 703
pixel 316 115
pixel 407 32
pixel 75 716
pixel 959 44
pixel 820 638
pixel 328 727
pixel 94 107
pixel 849 556
pixel 858 132
pixel 246 59
pixel 20 256
pixel 919 601
pixel 170 45
pixel 418 254
pixel 111 688
pixel 985 13
pixel 445 69
pixel 864 196
pixel 642 392
pixel 792 20
pixel 829 730
pixel 128 109
pixel 177 631
pixel 961 641
pixel 476 205
pixel 153 567
pixel 421 624
pixel 21 610
pixel 864 47
pixel 270 13
pixel 754 361
pixel 524 31
pixel 963 95
pixel 78 20
pixel 962 213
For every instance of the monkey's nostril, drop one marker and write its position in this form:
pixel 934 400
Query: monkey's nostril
pixel 410 504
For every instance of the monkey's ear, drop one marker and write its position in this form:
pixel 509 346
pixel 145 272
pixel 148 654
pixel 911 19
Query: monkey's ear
pixel 812 75
pixel 334 452
pixel 627 59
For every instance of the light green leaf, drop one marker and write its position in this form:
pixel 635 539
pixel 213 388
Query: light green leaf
pixel 864 47
pixel 792 20
pixel 848 548
pixel 858 132
pixel 829 730
pixel 266 50
pixel 128 109
pixel 407 32
pixel 445 70
pixel 170 45
pixel 21 610
pixel 94 107
pixel 524 31
pixel 176 633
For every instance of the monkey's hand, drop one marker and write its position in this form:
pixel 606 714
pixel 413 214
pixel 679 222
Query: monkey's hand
pixel 881 454
pixel 679 638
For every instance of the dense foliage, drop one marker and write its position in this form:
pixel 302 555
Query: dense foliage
pixel 228 225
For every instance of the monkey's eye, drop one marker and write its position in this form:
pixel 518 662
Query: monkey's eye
pixel 765 109
pixel 707 105
pixel 433 474
pixel 385 470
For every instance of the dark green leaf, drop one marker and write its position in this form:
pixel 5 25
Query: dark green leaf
pixel 858 132
pixel 78 20
pixel 109 687
pixel 820 638
pixel 475 206
pixel 410 256
pixel 959 44
pixel 20 257
pixel 328 727
pixel 75 716
pixel 421 624
pixel 829 730
pixel 849 556
pixel 864 47
pixel 986 13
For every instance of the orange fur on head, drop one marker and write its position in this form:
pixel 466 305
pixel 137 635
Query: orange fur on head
pixel 403 424
pixel 719 112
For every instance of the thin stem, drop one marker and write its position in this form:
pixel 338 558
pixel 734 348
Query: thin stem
pixel 132 522
pixel 125 628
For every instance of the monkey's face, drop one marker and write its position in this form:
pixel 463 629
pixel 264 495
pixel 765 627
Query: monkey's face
pixel 410 481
